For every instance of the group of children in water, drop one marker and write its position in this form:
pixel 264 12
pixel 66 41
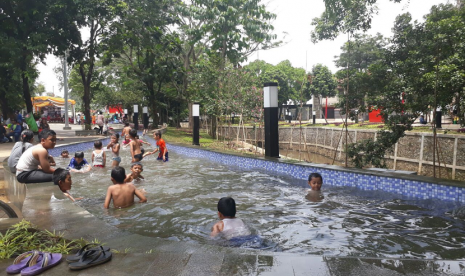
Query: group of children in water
pixel 33 164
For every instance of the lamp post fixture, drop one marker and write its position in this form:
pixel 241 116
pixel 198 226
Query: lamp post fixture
pixel 270 98
pixel 195 130
pixel 125 115
pixel 314 117
pixel 65 91
pixel 136 117
pixel 145 117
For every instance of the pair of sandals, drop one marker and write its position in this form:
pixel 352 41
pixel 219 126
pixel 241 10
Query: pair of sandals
pixel 88 257
pixel 35 262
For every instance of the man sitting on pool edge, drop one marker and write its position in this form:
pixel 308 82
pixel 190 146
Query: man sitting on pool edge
pixel 122 193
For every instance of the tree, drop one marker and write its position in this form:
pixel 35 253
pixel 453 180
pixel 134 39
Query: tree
pixel 34 29
pixel 322 84
pixel 96 17
pixel 143 40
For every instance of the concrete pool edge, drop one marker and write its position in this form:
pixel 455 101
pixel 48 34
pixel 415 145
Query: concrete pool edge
pixel 422 187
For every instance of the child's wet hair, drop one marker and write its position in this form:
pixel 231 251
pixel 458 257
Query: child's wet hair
pixel 158 133
pixel 137 164
pixel 79 154
pixel 64 151
pixel 227 206
pixel 126 124
pixel 46 133
pixel 59 175
pixel 98 144
pixel 133 133
pixel 315 175
pixel 118 174
pixel 116 135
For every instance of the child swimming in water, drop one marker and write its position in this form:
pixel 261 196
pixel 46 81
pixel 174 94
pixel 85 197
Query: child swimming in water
pixel 136 170
pixel 229 226
pixel 78 163
pixel 315 180
pixel 62 178
pixel 64 154
pixel 122 193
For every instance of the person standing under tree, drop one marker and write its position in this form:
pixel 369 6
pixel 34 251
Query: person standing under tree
pixel 100 119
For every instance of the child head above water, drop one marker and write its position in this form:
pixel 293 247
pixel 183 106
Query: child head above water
pixel 137 168
pixel 62 178
pixel 64 153
pixel 226 208
pixel 118 174
pixel 114 137
pixel 133 133
pixel 98 145
pixel 315 180
pixel 79 156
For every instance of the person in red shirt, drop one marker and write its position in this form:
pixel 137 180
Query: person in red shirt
pixel 161 148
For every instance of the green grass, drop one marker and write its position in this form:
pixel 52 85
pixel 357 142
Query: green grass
pixel 24 236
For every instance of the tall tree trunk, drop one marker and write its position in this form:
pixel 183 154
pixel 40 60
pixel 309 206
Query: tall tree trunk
pixel 86 99
pixel 26 90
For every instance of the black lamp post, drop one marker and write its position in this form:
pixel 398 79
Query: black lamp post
pixel 270 97
pixel 195 130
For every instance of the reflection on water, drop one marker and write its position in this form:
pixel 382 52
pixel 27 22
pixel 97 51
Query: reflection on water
pixel 183 193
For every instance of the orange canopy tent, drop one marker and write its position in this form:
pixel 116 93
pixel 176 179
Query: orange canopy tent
pixel 43 101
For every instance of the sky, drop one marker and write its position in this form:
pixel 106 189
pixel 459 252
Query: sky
pixel 294 18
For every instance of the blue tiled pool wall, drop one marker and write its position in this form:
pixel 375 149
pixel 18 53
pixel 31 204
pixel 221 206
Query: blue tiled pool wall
pixel 409 188
pixel 404 187
pixel 55 152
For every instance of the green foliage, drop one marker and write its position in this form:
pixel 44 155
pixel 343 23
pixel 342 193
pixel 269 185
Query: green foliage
pixel 342 16
pixel 323 83
pixel 24 236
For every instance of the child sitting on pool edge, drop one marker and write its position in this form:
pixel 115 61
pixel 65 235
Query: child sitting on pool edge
pixel 62 178
pixel 78 163
pixel 136 170
pixel 122 193
pixel 229 226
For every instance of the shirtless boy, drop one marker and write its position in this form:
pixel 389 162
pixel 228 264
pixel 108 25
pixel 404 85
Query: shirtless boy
pixel 122 193
pixel 134 145
pixel 126 129
pixel 136 170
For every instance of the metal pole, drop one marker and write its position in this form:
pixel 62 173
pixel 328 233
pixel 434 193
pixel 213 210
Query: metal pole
pixel 65 88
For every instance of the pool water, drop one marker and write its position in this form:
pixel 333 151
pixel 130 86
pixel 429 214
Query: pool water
pixel 182 196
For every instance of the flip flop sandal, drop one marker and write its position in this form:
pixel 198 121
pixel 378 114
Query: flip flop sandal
pixel 91 258
pixel 49 260
pixel 21 262
pixel 76 257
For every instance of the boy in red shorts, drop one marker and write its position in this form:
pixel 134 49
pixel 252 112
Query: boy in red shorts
pixel 161 148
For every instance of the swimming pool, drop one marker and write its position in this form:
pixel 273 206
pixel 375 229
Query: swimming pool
pixel 183 193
